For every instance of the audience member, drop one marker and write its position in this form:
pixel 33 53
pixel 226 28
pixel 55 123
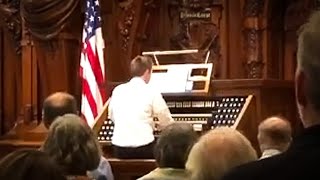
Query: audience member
pixel 274 136
pixel 217 152
pixel 301 160
pixel 58 104
pixel 171 152
pixel 27 164
pixel 132 108
pixel 72 144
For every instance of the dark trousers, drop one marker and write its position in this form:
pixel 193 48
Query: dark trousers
pixel 141 152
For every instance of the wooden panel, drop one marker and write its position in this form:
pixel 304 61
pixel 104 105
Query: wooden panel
pixel 1 81
pixel 295 15
pixel 12 83
pixel 131 169
pixel 235 59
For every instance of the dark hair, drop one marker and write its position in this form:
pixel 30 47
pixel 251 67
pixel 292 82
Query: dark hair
pixel 174 144
pixel 29 164
pixel 58 104
pixel 308 57
pixel 72 144
pixel 139 65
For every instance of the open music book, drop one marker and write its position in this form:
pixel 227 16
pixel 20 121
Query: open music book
pixel 181 78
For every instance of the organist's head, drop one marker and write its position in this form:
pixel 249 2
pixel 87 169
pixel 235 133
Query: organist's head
pixel 58 104
pixel 141 66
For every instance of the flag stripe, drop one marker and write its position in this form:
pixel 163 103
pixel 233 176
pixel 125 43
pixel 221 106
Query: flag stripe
pixel 95 66
pixel 85 108
pixel 89 76
pixel 92 64
pixel 89 96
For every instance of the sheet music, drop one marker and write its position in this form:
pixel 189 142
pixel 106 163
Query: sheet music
pixel 158 81
pixel 172 81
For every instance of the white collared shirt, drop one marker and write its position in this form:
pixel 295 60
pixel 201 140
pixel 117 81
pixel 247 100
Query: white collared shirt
pixel 269 152
pixel 132 108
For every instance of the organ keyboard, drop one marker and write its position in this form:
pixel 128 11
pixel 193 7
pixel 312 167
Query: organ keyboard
pixel 202 112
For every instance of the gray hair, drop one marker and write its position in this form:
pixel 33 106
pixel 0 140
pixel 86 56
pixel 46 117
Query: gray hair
pixel 72 144
pixel 174 144
pixel 217 152
pixel 308 57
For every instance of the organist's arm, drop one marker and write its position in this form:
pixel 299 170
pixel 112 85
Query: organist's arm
pixel 161 111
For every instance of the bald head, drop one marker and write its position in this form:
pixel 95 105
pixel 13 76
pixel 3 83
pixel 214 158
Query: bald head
pixel 58 104
pixel 274 133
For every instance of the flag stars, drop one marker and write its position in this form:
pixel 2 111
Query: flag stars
pixel 90 29
pixel 91 18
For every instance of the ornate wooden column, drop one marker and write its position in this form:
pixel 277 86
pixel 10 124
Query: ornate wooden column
pixel 11 14
pixel 129 14
pixel 252 38
pixel 30 84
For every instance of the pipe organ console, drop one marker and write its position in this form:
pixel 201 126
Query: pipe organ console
pixel 185 88
pixel 202 112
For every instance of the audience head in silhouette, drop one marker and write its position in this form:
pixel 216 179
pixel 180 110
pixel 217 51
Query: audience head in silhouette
pixel 25 164
pixel 171 152
pixel 173 146
pixel 217 152
pixel 72 144
pixel 307 77
pixel 274 134
pixel 58 104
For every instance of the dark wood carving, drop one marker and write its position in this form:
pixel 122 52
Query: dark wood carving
pixel 252 36
pixel 125 23
pixel 196 25
pixel 1 81
pixel 296 14
pixel 9 10
pixel 253 45
pixel 253 8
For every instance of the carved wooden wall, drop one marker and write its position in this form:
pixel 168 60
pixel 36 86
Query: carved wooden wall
pixel 1 77
pixel 11 81
pixel 296 13
pixel 245 38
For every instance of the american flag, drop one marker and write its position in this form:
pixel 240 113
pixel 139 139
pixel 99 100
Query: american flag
pixel 92 64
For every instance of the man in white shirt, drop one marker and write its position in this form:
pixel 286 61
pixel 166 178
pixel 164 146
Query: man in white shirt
pixel 274 136
pixel 132 108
